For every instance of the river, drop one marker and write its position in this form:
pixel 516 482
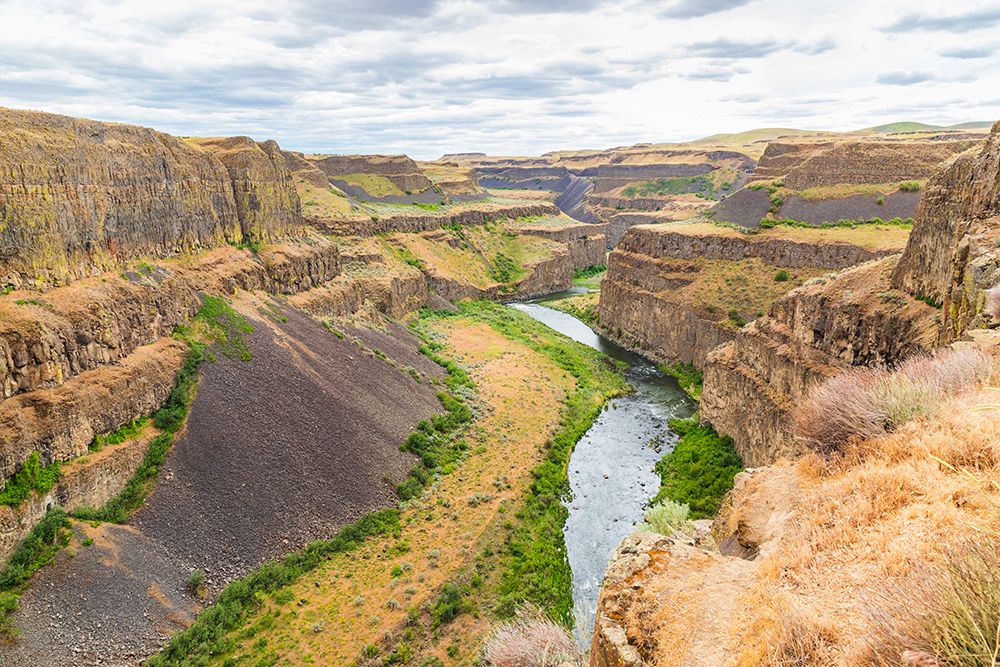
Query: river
pixel 611 470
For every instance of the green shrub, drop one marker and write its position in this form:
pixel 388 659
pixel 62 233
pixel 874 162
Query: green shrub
pixel 226 326
pixel 700 470
pixel 37 550
pixel 667 517
pixel 910 186
pixel 781 276
pixel 195 583
pixel 688 377
pixel 32 476
pixel 207 637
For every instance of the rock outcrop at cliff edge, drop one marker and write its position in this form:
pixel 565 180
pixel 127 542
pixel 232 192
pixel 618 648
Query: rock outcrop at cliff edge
pixel 267 205
pixel 874 314
pixel 78 197
pixel 953 256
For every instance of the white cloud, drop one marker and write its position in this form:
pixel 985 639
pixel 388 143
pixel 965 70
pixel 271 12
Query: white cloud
pixel 434 76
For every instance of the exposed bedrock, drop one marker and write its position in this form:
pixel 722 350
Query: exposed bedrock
pixel 634 313
pixel 420 223
pixel 586 243
pixel 79 197
pixel 48 338
pixel 609 177
pixel 267 205
pixel 660 241
pixel 856 162
pixel 400 169
pixel 637 307
pixel 855 318
pixel 872 314
pixel 953 254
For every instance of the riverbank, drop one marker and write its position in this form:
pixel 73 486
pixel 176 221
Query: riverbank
pixel 483 536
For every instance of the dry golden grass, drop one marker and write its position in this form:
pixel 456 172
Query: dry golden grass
pixel 870 237
pixel 856 552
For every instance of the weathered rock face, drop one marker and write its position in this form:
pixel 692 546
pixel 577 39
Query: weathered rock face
pixel 953 254
pixel 585 242
pixel 79 197
pixel 646 584
pixel 45 339
pixel 421 223
pixel 859 162
pixel 76 196
pixel 266 202
pixel 399 169
pixel 752 383
pixel 636 307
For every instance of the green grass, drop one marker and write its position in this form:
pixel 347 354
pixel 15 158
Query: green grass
pixel 688 377
pixel 505 269
pixel 699 471
pixel 208 636
pixel 667 186
pixel 226 327
pixel 770 223
pixel 537 569
pixel 126 432
pixel 169 419
pixel 32 476
pixel 37 550
pixel 590 276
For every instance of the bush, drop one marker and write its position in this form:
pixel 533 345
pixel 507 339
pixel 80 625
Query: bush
pixel 865 403
pixel 699 471
pixel 781 276
pixel 195 583
pixel 531 640
pixel 666 518
pixel 910 186
pixel 32 476
pixel 37 550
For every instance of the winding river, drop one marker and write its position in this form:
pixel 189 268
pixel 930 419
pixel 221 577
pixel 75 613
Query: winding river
pixel 611 470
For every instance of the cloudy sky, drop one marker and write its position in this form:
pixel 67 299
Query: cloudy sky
pixel 505 76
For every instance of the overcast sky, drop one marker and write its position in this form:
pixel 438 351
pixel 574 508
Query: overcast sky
pixel 505 77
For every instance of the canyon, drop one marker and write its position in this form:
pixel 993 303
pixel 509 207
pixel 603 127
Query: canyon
pixel 276 410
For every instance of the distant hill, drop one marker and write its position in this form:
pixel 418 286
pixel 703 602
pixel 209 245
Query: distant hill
pixel 760 134
pixel 910 126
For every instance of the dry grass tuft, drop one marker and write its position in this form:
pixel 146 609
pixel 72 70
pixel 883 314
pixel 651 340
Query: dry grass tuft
pixel 531 640
pixel 947 617
pixel 781 634
pixel 866 403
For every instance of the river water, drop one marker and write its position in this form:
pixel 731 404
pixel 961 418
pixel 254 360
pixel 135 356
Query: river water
pixel 611 470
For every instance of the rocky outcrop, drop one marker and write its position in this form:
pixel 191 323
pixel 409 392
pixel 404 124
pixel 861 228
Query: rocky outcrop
pixel 78 196
pixel 267 205
pixel 661 241
pixel 953 255
pixel 753 383
pixel 871 315
pixel 45 339
pixel 399 169
pixel 420 223
pixel 646 585
pixel 585 242
pixel 855 162
pixel 60 423
pixel 611 176
pixel 638 307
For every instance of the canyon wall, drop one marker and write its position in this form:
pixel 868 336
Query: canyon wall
pixel 872 315
pixel 80 197
pixel 640 305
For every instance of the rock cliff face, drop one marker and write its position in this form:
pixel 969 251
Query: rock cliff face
pixel 586 243
pixel 639 307
pixel 399 169
pixel 422 223
pixel 752 383
pixel 267 205
pixel 874 314
pixel 953 255
pixel 856 162
pixel 79 197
